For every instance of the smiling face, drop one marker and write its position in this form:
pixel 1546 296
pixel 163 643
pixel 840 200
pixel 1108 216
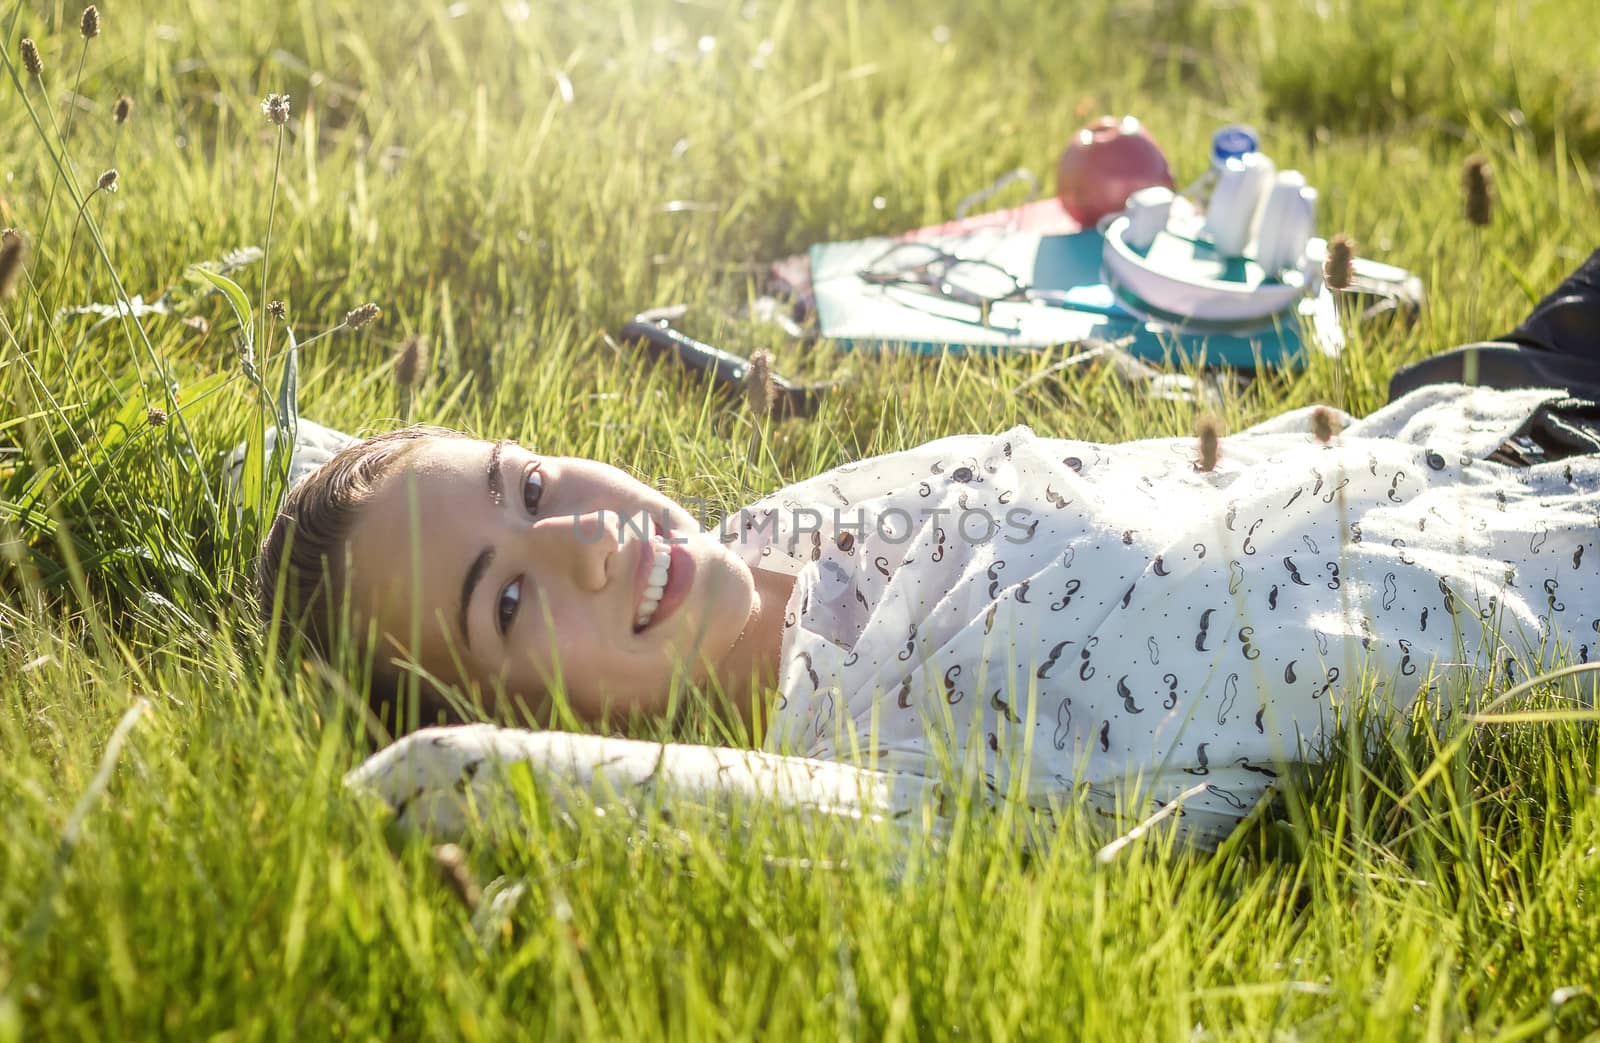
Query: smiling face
pixel 487 564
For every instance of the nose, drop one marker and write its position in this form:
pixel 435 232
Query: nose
pixel 578 545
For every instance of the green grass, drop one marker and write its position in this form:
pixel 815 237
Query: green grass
pixel 500 185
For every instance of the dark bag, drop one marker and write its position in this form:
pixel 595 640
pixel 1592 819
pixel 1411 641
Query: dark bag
pixel 1557 345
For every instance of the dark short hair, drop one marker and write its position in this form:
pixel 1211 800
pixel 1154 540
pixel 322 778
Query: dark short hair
pixel 307 550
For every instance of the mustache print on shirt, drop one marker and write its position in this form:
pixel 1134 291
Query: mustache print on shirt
pixel 953 695
pixel 1250 537
pixel 1126 695
pixel 1230 692
pixel 1073 586
pixel 811 673
pixel 1063 724
pixel 1050 660
pixel 1003 708
pixel 911 644
pixel 1085 671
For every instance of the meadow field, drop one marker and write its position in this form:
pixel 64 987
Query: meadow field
pixel 509 181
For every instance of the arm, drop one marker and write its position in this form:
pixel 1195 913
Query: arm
pixel 437 779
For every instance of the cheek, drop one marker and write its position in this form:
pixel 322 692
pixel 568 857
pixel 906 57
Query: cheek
pixel 729 591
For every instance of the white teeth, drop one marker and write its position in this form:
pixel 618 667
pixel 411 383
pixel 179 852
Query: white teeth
pixel 660 570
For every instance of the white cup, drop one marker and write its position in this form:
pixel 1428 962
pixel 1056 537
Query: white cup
pixel 1235 204
pixel 1287 223
pixel 1147 210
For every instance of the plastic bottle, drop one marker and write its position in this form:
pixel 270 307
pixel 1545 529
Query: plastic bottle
pixel 1234 141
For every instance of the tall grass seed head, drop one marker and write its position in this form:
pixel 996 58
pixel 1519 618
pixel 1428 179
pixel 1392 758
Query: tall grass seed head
pixel 1339 269
pixel 1477 189
pixel 155 416
pixel 30 58
pixel 276 108
pixel 356 318
pixel 13 256
pixel 411 362
pixel 108 181
pixel 759 392
pixel 1324 425
pixel 278 310
pixel 1209 430
pixel 122 109
pixel 89 24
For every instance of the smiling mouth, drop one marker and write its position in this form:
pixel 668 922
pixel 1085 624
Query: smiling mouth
pixel 661 577
pixel 660 573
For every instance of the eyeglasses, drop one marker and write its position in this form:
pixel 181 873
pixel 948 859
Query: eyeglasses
pixel 971 281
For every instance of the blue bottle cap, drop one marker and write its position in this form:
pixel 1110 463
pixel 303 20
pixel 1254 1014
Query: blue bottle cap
pixel 1232 142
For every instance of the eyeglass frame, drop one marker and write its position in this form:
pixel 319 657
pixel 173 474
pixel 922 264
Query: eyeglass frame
pixel 923 275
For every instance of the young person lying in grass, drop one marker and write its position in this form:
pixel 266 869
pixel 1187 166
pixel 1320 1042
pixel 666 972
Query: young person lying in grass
pixel 1160 613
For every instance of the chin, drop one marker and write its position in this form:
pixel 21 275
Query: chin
pixel 727 592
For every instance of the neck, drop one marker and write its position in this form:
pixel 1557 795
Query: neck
pixel 750 669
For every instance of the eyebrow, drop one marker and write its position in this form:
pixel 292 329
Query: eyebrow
pixel 497 494
pixel 480 564
pixel 475 572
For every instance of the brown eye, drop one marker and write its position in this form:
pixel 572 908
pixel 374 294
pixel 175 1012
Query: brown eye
pixel 532 488
pixel 505 612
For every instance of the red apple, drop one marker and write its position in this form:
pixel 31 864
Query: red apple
pixel 1106 162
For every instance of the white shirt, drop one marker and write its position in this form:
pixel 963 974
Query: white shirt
pixel 1109 623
